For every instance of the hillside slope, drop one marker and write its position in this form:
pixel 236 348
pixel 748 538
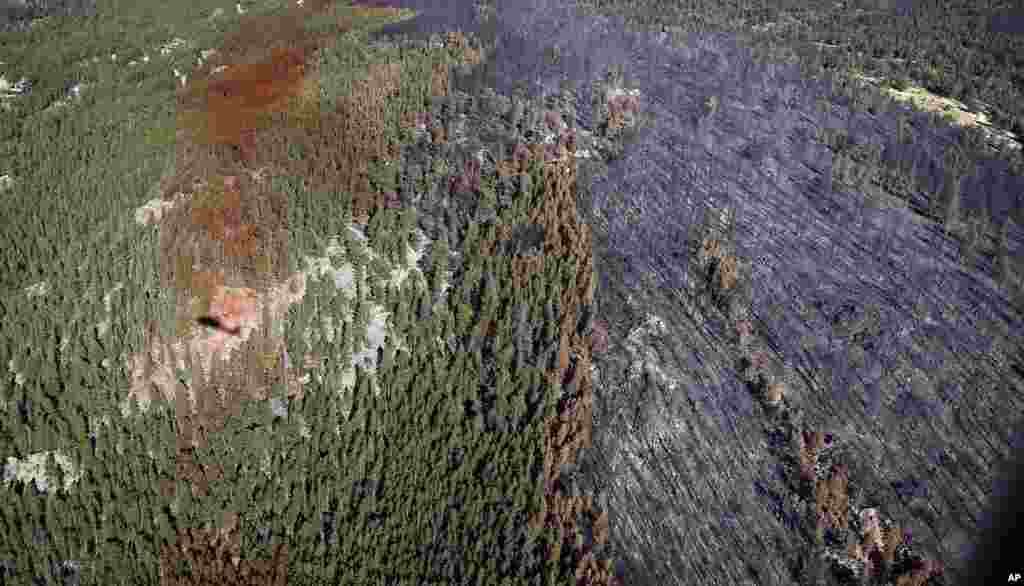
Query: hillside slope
pixel 607 298
pixel 897 345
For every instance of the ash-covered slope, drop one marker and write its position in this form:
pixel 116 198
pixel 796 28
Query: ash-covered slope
pixel 902 359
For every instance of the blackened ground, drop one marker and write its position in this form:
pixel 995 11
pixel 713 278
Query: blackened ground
pixel 880 331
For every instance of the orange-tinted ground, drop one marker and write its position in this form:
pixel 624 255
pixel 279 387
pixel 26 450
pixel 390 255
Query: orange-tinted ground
pixel 224 254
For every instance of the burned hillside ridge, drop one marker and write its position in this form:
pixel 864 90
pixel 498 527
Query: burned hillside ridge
pixel 846 381
pixel 643 393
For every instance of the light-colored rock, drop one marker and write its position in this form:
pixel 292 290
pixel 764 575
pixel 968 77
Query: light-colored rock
pixel 33 469
pixel 154 210
pixel 173 45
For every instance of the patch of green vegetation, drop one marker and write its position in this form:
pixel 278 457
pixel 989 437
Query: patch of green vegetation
pixel 898 83
pixel 157 136
pixel 69 345
pixel 368 19
pixel 383 176
pixel 81 169
pixel 405 425
pixel 448 426
pixel 96 157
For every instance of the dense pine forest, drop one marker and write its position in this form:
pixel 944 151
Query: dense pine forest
pixel 284 302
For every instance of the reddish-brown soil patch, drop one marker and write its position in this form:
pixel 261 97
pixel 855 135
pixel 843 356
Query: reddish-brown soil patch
pixel 223 253
pixel 224 250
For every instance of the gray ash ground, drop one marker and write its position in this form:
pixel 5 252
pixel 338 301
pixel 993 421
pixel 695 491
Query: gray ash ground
pixel 911 359
pixel 884 337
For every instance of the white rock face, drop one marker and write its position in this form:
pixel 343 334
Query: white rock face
pixel 33 469
pixel 645 359
pixel 153 210
pixel 38 290
pixel 173 45
pixel 19 378
pixel 204 345
pixel 9 91
pixel 344 276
